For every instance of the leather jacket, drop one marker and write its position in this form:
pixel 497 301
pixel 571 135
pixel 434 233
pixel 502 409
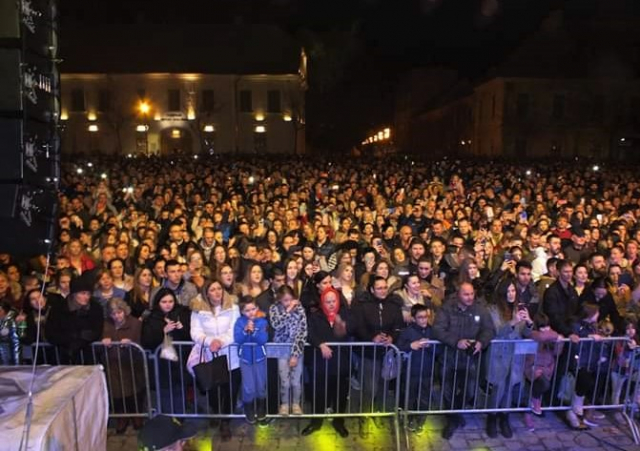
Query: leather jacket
pixel 9 340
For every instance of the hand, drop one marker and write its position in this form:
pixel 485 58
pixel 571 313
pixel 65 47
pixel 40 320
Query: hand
pixel 292 305
pixel 326 351
pixel 463 344
pixel 537 373
pixel 632 344
pixel 249 327
pixel 171 325
pixel 106 341
pixel 478 348
pixel 419 344
pixel 574 338
pixel 523 315
pixel 125 340
pixel 178 325
pixel 293 361
pixel 596 337
pixel 215 345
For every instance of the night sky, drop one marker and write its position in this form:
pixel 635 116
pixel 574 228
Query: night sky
pixel 357 48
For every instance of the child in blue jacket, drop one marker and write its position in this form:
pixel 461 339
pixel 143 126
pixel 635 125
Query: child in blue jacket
pixel 250 335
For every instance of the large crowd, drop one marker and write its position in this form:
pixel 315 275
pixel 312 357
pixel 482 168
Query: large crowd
pixel 227 251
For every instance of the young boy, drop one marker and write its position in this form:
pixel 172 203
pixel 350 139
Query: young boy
pixel 415 341
pixel 250 334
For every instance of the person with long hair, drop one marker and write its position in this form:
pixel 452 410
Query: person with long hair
pixel 254 283
pixel 345 282
pixel 138 296
pixel 78 258
pixel 411 294
pixel 168 318
pixel 218 258
pixel 504 368
pixel 292 277
pixel 213 317
pixel 120 278
pixel 580 278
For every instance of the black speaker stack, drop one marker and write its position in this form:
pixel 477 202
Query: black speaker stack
pixel 29 125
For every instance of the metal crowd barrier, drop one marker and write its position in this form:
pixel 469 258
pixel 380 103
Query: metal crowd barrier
pixel 356 381
pixel 439 379
pixel 126 371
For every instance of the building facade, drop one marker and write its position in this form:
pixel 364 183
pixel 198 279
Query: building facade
pixel 226 107
pixel 570 90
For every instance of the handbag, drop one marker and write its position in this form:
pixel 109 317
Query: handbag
pixel 389 366
pixel 567 387
pixel 168 351
pixel 212 374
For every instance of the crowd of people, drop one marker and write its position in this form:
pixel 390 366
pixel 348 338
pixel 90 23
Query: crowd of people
pixel 232 254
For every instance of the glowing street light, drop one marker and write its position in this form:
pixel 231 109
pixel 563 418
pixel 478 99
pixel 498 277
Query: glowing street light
pixel 144 107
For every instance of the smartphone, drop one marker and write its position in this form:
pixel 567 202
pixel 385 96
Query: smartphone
pixel 599 217
pixel 508 257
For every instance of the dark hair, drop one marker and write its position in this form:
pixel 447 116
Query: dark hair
pixel 373 280
pixel 162 292
pixel 417 308
pixel 246 300
pixel 283 291
pixel 601 282
pixel 523 264
pixel 172 262
pixel 589 309
pixel 405 279
pixel 541 320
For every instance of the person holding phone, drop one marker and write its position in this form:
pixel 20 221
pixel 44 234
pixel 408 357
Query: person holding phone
pixel 504 369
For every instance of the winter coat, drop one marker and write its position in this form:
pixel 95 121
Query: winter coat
pixel 561 305
pixel 208 325
pixel 588 355
pixel 544 359
pixel 251 344
pixel 422 360
pixel 453 324
pixel 74 328
pixel 501 360
pixel 124 368
pixel 153 326
pixel 289 327
pixel 185 292
pixel 10 348
pixel 321 331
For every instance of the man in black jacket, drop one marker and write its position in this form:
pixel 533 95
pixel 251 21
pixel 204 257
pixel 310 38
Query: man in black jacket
pixel 75 323
pixel 465 328
pixel 378 318
pixel 561 302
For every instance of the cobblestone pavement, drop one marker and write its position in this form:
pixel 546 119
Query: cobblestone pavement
pixel 284 435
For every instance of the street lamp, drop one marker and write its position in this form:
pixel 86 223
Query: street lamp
pixel 145 108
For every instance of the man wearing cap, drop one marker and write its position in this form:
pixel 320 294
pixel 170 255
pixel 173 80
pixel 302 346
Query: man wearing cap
pixel 76 322
pixel 577 251
pixel 164 433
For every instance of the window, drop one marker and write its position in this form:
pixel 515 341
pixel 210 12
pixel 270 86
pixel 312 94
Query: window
pixel 246 103
pixel 104 100
pixel 174 100
pixel 273 101
pixel 208 101
pixel 558 106
pixel 77 100
pixel 522 106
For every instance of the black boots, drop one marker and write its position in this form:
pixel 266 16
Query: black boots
pixel 505 427
pixel 492 427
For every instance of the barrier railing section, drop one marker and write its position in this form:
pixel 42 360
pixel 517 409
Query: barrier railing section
pixel 126 371
pixel 352 377
pixel 442 379
pixel 436 379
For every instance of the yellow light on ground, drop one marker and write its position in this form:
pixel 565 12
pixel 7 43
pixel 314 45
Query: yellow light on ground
pixel 141 128
pixel 64 116
pixel 260 129
pixel 259 117
pixel 91 116
pixel 93 128
pixel 175 133
pixel 144 107
pixel 287 118
pixel 209 128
